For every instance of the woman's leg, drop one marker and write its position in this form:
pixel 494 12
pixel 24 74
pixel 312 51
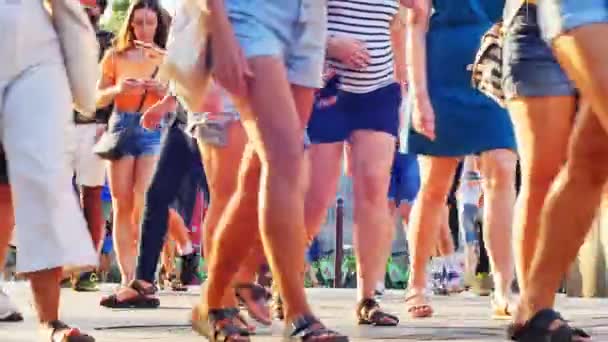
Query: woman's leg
pixel 436 175
pixel 584 60
pixel 569 211
pixel 498 170
pixel 373 154
pixel 325 170
pixel 7 222
pixel 542 126
pixel 121 181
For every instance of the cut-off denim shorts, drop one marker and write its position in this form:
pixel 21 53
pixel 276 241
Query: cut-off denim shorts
pixel 140 141
pixel 529 66
pixel 560 16
pixel 292 29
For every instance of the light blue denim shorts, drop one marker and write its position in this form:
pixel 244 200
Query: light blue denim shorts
pixel 560 16
pixel 139 141
pixel 293 29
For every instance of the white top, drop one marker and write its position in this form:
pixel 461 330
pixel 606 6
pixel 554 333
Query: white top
pixel 370 22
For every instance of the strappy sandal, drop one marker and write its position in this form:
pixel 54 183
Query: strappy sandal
pixel 176 284
pixel 61 332
pixel 143 300
pixel 501 312
pixel 219 326
pixel 308 329
pixel 370 313
pixel 538 329
pixel 418 310
pixel 258 298
pixel 240 319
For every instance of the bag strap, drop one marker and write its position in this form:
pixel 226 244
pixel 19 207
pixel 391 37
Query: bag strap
pixel 145 95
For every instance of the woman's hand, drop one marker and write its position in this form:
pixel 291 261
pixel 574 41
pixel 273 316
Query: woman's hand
pixel 130 86
pixel 152 116
pixel 230 66
pixel 423 117
pixel 350 51
pixel 155 88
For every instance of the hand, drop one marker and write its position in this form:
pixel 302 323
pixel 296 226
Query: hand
pixel 130 86
pixel 350 51
pixel 230 67
pixel 155 88
pixel 153 115
pixel 423 117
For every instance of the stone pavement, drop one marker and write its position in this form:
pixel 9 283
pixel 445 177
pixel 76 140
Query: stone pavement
pixel 458 318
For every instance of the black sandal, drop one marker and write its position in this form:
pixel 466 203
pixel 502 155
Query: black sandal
pixel 142 300
pixel 537 329
pixel 370 313
pixel 61 332
pixel 222 328
pixel 259 296
pixel 308 329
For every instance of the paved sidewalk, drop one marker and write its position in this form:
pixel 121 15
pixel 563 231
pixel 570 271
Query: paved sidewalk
pixel 459 318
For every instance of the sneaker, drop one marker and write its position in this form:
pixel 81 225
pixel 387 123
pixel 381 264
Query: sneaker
pixel 8 310
pixel 87 282
pixel 189 272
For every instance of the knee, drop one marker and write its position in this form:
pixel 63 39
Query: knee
pixel 499 171
pixel 123 204
pixel 371 185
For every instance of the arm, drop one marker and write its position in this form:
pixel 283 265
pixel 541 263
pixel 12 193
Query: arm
pixel 417 21
pixel 107 88
pixel 398 38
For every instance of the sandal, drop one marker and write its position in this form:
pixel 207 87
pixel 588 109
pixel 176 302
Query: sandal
pixel 538 328
pixel 501 312
pixel 423 310
pixel 244 325
pixel 176 284
pixel 143 299
pixel 61 332
pixel 255 302
pixel 308 329
pixel 219 326
pixel 370 313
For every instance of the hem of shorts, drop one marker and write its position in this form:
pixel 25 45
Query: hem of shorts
pixel 459 154
pixel 520 89
pixel 580 19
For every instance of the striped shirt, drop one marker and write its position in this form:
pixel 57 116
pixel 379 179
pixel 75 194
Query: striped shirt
pixel 370 22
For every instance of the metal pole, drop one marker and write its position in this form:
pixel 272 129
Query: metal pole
pixel 339 243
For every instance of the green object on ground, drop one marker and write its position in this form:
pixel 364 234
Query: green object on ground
pixel 87 282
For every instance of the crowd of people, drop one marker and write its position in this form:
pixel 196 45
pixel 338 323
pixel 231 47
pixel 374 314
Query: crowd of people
pixel 299 88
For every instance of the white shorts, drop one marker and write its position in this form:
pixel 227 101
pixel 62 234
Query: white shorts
pixel 90 169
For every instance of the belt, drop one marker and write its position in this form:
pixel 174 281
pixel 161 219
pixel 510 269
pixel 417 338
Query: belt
pixel 81 120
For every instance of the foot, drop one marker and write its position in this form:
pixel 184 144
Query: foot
pixel 189 272
pixel 87 282
pixel 545 325
pixel 502 307
pixel 8 310
pixel 61 332
pixel 254 298
pixel 307 328
pixel 138 294
pixel 370 313
pixel 417 304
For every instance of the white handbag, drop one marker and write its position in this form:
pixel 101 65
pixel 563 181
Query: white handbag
pixel 187 64
pixel 80 51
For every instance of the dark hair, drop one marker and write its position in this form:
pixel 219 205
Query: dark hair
pixel 125 37
pixel 103 4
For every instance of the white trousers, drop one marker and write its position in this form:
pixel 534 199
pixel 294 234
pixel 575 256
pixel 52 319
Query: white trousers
pixel 35 118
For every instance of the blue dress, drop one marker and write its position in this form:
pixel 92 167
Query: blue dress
pixel 466 121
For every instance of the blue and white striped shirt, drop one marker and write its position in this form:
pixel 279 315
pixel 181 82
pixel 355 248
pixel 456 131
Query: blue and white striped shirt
pixel 370 22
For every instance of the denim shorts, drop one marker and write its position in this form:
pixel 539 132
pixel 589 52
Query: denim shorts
pixel 529 66
pixel 292 29
pixel 405 178
pixel 560 16
pixel 138 141
pixel 375 111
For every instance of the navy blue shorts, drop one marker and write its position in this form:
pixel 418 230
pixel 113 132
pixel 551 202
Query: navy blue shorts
pixel 3 168
pixel 374 111
pixel 405 178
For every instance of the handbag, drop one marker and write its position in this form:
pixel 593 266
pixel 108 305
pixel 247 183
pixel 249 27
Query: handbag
pixel 487 67
pixel 111 146
pixel 188 72
pixel 80 51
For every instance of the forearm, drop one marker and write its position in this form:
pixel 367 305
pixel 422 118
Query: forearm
pixel 416 51
pixel 398 42
pixel 106 96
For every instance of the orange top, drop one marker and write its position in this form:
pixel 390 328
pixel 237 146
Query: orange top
pixel 116 67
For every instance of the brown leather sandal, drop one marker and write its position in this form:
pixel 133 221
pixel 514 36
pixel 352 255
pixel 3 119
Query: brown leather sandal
pixel 307 328
pixel 370 313
pixel 144 299
pixel 61 332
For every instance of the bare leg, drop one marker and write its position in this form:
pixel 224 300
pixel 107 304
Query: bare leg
pixel 7 222
pixel 542 126
pixel 498 169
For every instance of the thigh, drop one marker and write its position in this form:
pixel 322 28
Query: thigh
pixel 436 176
pixel 588 150
pixel 542 127
pixel 222 163
pixel 372 157
pixel 121 179
pixel 144 170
